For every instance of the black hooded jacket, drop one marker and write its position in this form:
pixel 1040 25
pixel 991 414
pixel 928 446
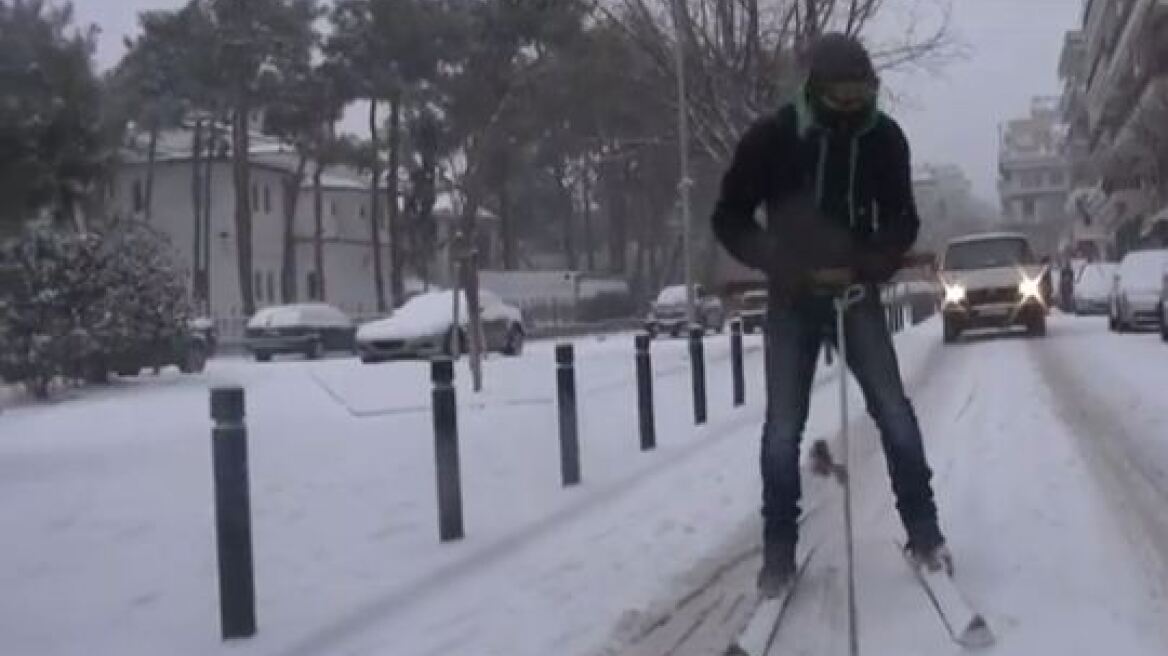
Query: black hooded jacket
pixel 832 197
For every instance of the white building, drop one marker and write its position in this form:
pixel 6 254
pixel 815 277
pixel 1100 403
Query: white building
pixel 347 232
pixel 1115 101
pixel 1034 174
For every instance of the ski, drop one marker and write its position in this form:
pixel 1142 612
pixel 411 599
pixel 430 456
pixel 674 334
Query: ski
pixel 759 634
pixel 966 626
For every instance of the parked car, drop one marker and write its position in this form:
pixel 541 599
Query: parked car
pixel 992 280
pixel 1093 288
pixel 188 352
pixel 424 327
pixel 753 310
pixel 668 312
pixel 1135 296
pixel 311 329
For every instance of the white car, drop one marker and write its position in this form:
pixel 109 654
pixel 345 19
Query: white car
pixel 992 280
pixel 424 327
pixel 1093 287
pixel 668 313
pixel 1135 297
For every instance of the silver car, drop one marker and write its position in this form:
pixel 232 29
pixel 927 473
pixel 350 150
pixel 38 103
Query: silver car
pixel 1135 296
pixel 424 327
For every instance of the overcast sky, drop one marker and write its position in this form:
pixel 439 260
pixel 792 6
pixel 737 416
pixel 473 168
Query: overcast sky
pixel 953 117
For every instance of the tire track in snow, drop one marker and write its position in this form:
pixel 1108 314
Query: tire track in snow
pixel 1134 487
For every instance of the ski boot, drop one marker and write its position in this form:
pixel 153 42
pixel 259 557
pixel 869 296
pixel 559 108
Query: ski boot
pixel 778 568
pixel 931 557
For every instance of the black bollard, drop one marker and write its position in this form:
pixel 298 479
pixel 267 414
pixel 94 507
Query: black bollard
pixel 447 466
pixel 232 514
pixel 739 382
pixel 569 427
pixel 645 393
pixel 698 366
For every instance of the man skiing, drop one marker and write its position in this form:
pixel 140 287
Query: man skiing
pixel 834 176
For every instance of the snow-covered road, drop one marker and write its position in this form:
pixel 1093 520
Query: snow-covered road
pixel 1050 458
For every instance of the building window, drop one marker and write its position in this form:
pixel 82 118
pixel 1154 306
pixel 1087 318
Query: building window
pixel 271 287
pixel 1028 208
pixel 313 286
pixel 361 211
pixel 333 208
pixel 258 285
pixel 1057 178
pixel 139 197
pixel 267 199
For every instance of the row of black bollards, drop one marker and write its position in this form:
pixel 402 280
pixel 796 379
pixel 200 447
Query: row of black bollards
pixel 230 461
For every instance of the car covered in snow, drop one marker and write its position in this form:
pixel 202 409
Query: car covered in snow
pixel 992 280
pixel 668 312
pixel 1093 288
pixel 1135 296
pixel 425 327
pixel 310 329
pixel 752 310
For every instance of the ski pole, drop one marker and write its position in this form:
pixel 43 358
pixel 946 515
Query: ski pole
pixel 850 296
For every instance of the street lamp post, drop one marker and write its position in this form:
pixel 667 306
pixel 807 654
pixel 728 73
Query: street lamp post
pixel 685 182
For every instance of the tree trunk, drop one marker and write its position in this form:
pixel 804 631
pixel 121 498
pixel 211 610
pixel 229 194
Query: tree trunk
pixel 569 209
pixel 318 232
pixel 617 223
pixel 506 230
pixel 208 233
pixel 586 193
pixel 151 158
pixel 375 210
pixel 292 186
pixel 240 141
pixel 396 268
pixel 470 272
pixel 197 203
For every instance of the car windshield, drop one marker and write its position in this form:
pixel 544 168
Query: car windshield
pixel 754 301
pixel 987 254
pixel 1096 279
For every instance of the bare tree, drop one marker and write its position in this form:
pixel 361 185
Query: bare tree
pixel 743 57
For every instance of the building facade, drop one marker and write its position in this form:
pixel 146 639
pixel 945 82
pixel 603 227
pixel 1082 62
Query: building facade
pixel 1034 180
pixel 1115 103
pixel 347 276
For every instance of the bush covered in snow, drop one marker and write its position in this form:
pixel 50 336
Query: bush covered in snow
pixel 69 300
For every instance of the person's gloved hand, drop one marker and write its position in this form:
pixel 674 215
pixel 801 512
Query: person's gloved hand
pixel 876 266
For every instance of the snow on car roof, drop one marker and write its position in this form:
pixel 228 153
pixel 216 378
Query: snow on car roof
pixel 672 294
pixel 1144 267
pixel 983 236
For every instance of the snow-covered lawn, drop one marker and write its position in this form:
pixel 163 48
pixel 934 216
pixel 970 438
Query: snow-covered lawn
pixel 106 517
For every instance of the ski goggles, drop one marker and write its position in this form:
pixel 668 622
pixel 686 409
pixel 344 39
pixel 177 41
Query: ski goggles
pixel 850 96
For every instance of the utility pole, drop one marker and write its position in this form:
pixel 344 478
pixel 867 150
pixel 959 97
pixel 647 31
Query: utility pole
pixel 685 182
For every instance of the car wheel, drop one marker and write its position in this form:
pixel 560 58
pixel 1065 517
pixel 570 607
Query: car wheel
pixel 1164 327
pixel 951 331
pixel 1112 324
pixel 1036 326
pixel 371 359
pixel 263 356
pixel 514 345
pixel 315 350
pixel 195 360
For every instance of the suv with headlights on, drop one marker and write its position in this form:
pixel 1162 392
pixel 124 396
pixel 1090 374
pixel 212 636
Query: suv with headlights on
pixel 992 280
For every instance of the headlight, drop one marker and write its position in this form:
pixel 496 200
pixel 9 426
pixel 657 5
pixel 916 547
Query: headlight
pixel 1030 288
pixel 954 293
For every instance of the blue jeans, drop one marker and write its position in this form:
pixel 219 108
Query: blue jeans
pixel 796 330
